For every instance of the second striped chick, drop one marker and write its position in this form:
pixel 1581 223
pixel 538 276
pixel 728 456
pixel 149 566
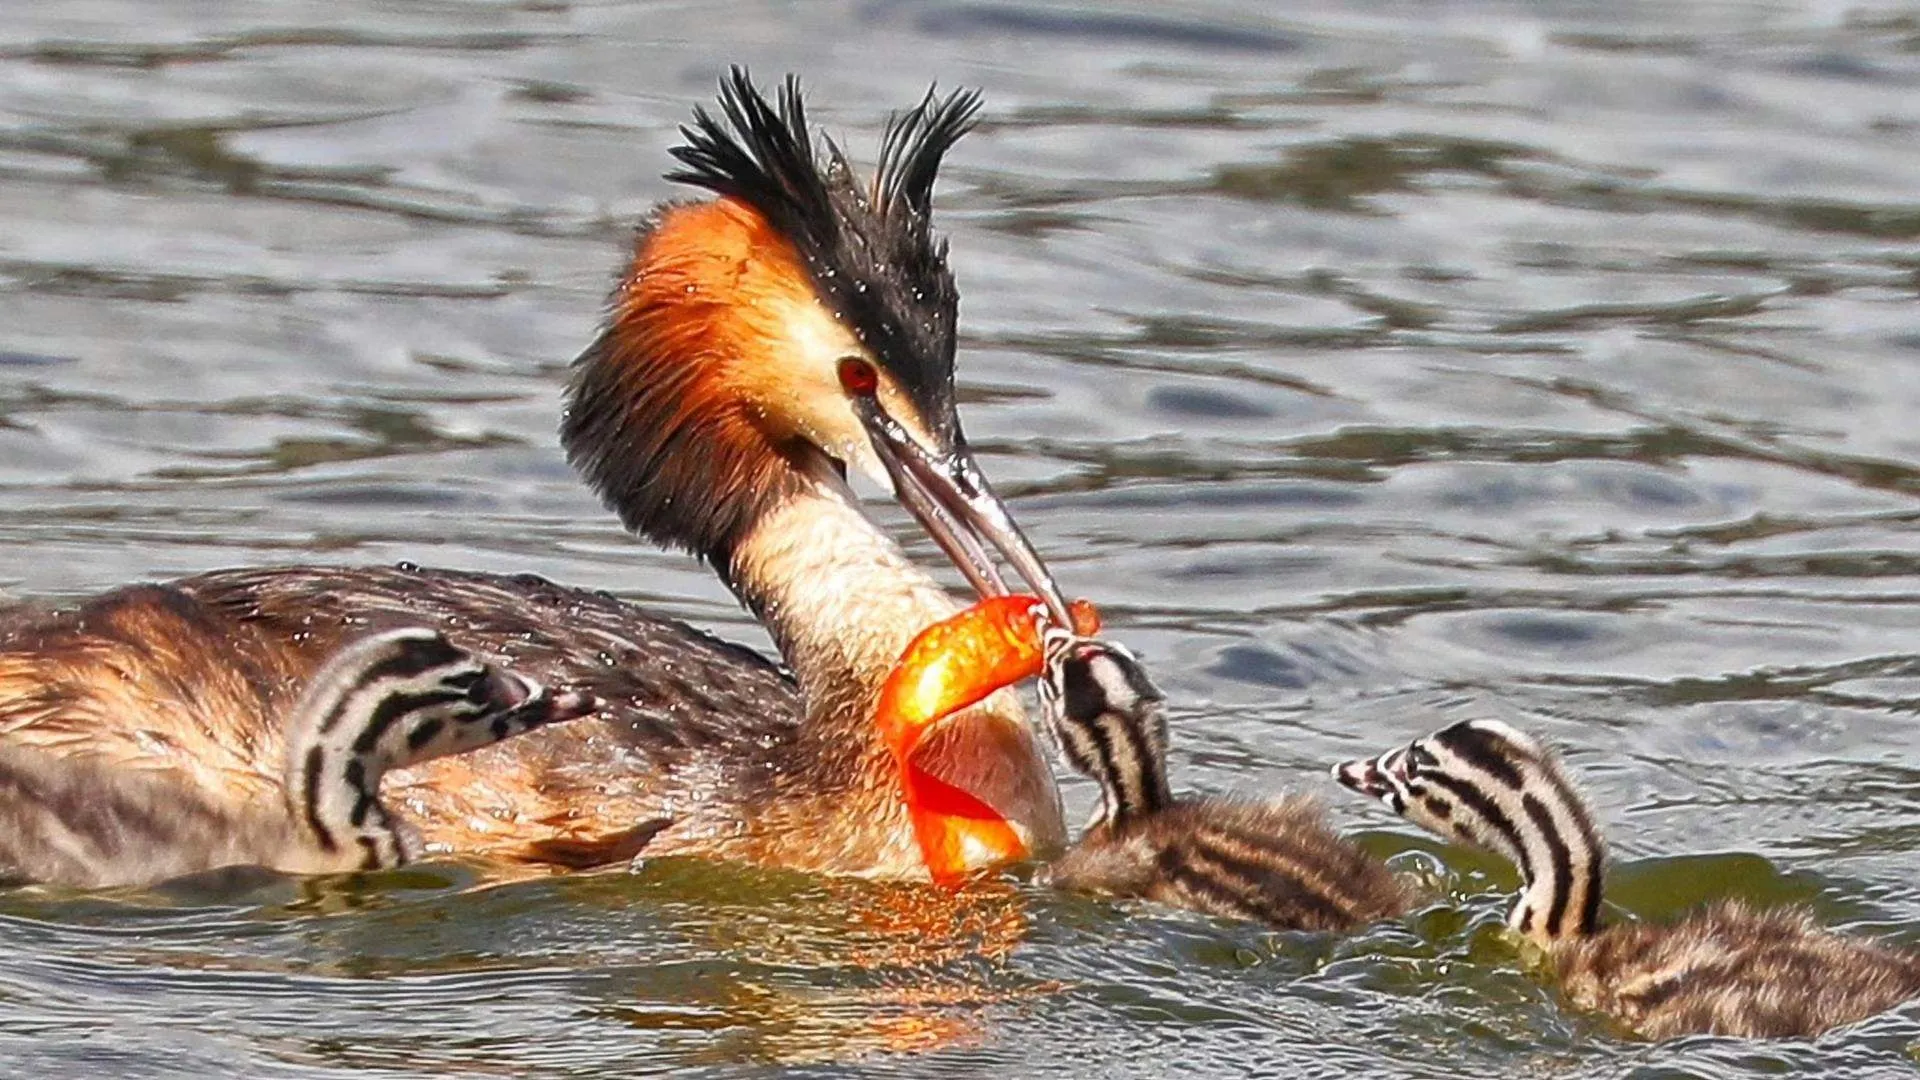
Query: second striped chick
pixel 1275 861
pixel 1725 970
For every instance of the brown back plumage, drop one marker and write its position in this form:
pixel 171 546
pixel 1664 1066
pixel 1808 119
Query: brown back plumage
pixel 195 679
pixel 1732 970
pixel 83 823
pixel 1275 861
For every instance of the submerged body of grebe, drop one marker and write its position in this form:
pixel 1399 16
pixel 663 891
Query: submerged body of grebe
pixel 760 345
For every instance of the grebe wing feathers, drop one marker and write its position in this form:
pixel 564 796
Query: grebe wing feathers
pixel 692 686
pixel 198 676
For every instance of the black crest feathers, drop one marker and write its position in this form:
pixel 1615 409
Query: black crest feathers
pixel 642 426
pixel 871 252
pixel 914 145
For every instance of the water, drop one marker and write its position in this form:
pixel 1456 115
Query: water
pixel 1550 361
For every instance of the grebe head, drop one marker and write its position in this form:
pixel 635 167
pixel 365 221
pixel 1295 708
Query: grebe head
pixel 1109 720
pixel 1452 782
pixel 1485 784
pixel 799 324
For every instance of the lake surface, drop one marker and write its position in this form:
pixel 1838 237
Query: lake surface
pixel 1550 361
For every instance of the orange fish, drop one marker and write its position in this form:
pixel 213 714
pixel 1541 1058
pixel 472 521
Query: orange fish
pixel 950 665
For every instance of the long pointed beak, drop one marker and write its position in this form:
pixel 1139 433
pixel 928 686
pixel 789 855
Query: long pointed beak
pixel 1380 777
pixel 951 499
pixel 1362 777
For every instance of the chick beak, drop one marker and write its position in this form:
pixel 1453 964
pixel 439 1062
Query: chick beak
pixel 1363 777
pixel 1383 778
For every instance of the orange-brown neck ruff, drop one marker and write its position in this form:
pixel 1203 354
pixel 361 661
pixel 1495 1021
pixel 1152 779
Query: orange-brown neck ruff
pixel 950 666
pixel 661 417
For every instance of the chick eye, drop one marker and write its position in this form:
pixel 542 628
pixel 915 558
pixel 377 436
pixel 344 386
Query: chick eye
pixel 1419 757
pixel 857 377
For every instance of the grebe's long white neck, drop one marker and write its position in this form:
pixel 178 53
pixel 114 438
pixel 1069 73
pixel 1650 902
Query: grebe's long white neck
pixel 842 601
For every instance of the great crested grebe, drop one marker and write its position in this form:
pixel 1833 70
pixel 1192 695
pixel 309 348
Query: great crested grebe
pixel 391 700
pixel 1727 970
pixel 760 344
pixel 1274 861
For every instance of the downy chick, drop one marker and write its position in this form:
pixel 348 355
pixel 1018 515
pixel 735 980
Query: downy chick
pixel 1274 861
pixel 1727 970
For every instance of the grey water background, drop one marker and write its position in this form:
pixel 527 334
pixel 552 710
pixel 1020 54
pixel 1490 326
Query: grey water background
pixel 1373 365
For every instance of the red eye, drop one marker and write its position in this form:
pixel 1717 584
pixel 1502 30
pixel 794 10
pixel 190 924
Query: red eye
pixel 857 377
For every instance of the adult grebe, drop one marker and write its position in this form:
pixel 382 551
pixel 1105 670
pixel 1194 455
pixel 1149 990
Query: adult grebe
pixel 759 345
